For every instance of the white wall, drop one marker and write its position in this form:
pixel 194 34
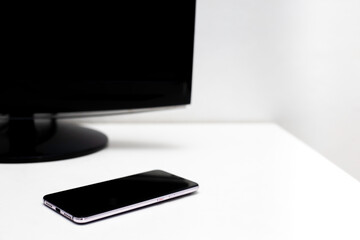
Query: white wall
pixel 296 62
pixel 321 104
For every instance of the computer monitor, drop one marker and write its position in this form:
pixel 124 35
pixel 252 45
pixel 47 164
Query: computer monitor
pixel 70 59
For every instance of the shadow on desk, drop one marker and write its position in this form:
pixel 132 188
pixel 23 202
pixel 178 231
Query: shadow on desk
pixel 141 145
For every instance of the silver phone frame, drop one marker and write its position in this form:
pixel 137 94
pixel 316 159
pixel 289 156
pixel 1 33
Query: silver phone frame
pixel 119 210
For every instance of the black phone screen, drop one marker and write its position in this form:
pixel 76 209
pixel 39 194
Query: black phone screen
pixel 106 196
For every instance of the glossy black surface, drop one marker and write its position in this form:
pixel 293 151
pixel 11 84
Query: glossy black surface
pixel 28 140
pixel 102 197
pixel 93 56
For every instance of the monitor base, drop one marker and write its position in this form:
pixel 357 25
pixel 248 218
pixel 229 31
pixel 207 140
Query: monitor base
pixel 28 140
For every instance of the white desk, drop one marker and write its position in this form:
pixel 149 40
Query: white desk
pixel 256 182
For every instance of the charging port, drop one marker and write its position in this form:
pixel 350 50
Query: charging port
pixel 58 210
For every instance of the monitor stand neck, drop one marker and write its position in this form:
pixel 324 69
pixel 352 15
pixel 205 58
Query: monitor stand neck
pixel 25 139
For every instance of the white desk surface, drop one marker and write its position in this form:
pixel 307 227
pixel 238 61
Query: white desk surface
pixel 256 182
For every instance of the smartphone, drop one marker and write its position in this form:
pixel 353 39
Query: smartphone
pixel 101 200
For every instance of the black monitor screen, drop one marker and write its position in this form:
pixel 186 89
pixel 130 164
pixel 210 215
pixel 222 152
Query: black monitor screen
pixel 90 56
